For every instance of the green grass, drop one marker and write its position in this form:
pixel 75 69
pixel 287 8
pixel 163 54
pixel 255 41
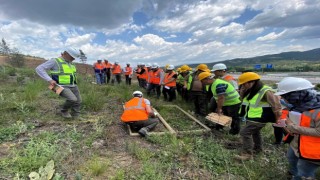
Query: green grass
pixel 26 146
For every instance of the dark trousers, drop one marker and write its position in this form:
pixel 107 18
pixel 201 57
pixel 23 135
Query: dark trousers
pixel 171 92
pixel 278 134
pixel 149 124
pixel 200 102
pixel 116 77
pixel 128 80
pixel 154 86
pixel 108 75
pixel 179 88
pixel 233 112
pixel 251 133
pixel 143 83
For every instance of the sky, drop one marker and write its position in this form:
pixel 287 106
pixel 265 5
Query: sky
pixel 163 31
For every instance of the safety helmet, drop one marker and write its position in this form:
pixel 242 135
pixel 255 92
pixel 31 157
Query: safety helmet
pixel 142 64
pixel 170 67
pixel 137 93
pixel 148 65
pixel 248 76
pixel 117 62
pixel 204 75
pixel 128 63
pixel 202 67
pixel 167 65
pixel 178 69
pixel 290 84
pixel 218 66
pixel 184 68
pixel 75 53
pixel 155 65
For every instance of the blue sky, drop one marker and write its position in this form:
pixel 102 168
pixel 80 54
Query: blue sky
pixel 163 31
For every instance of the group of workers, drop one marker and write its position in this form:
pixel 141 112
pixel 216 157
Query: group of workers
pixel 252 100
pixel 105 71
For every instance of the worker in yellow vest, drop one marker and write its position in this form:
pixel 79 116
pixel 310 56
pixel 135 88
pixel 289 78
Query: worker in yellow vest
pixel 139 114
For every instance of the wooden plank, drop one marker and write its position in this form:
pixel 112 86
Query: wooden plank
pixel 219 119
pixel 198 131
pixel 164 122
pixel 190 116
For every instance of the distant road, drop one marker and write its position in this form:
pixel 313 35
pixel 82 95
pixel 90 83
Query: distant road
pixel 313 77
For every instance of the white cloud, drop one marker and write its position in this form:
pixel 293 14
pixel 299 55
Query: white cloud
pixel 80 40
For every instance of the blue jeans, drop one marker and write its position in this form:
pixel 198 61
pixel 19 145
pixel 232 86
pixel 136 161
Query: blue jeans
pixel 299 167
pixel 100 78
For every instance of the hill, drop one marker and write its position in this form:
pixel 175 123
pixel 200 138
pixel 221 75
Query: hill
pixel 293 57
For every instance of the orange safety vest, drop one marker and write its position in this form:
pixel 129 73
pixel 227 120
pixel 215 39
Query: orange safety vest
pixel 108 65
pixel 116 69
pixel 98 66
pixel 167 78
pixel 135 110
pixel 149 76
pixel 284 114
pixel 145 74
pixel 229 78
pixel 309 146
pixel 128 71
pixel 155 77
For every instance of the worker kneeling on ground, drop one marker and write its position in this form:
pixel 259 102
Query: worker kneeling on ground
pixel 139 115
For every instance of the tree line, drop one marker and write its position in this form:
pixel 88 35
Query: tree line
pixel 12 55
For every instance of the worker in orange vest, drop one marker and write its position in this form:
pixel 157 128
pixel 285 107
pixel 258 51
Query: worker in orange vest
pixel 99 71
pixel 156 79
pixel 139 114
pixel 107 66
pixel 304 150
pixel 143 75
pixel 116 72
pixel 128 73
pixel 169 84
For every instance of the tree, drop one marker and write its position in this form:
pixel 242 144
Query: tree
pixel 4 47
pixel 16 58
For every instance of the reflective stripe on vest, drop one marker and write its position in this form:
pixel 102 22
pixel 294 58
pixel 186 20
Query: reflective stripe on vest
pixel 135 110
pixel 66 73
pixel 167 78
pixel 309 146
pixel 232 97
pixel 254 107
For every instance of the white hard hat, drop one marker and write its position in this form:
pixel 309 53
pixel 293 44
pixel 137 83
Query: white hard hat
pixel 148 65
pixel 128 63
pixel 137 93
pixel 142 64
pixel 155 65
pixel 218 66
pixel 170 67
pixel 75 53
pixel 290 84
pixel 117 62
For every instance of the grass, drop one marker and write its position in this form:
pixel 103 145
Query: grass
pixel 31 134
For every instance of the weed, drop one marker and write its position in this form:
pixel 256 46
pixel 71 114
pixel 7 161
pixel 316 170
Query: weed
pixel 98 166
pixel 150 171
pixel 120 175
pixel 143 154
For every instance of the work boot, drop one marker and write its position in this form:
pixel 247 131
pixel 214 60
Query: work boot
pixel 143 132
pixel 66 114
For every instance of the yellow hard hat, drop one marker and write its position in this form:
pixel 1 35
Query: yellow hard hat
pixel 202 67
pixel 184 68
pixel 178 69
pixel 208 70
pixel 204 75
pixel 248 76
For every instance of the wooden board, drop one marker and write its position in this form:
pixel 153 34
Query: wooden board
pixel 219 119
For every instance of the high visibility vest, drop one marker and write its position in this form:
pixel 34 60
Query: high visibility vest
pixel 66 73
pixel 309 146
pixel 107 65
pixel 167 78
pixel 128 71
pixel 155 77
pixel 116 69
pixel 257 110
pixel 99 66
pixel 232 97
pixel 135 110
pixel 145 74
pixel 149 76
pixel 180 79
pixel 190 78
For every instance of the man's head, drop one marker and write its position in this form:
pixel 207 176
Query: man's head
pixel 155 66
pixel 137 94
pixel 116 63
pixel 206 78
pixel 71 54
pixel 170 68
pixel 99 61
pixel 106 60
pixel 219 69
